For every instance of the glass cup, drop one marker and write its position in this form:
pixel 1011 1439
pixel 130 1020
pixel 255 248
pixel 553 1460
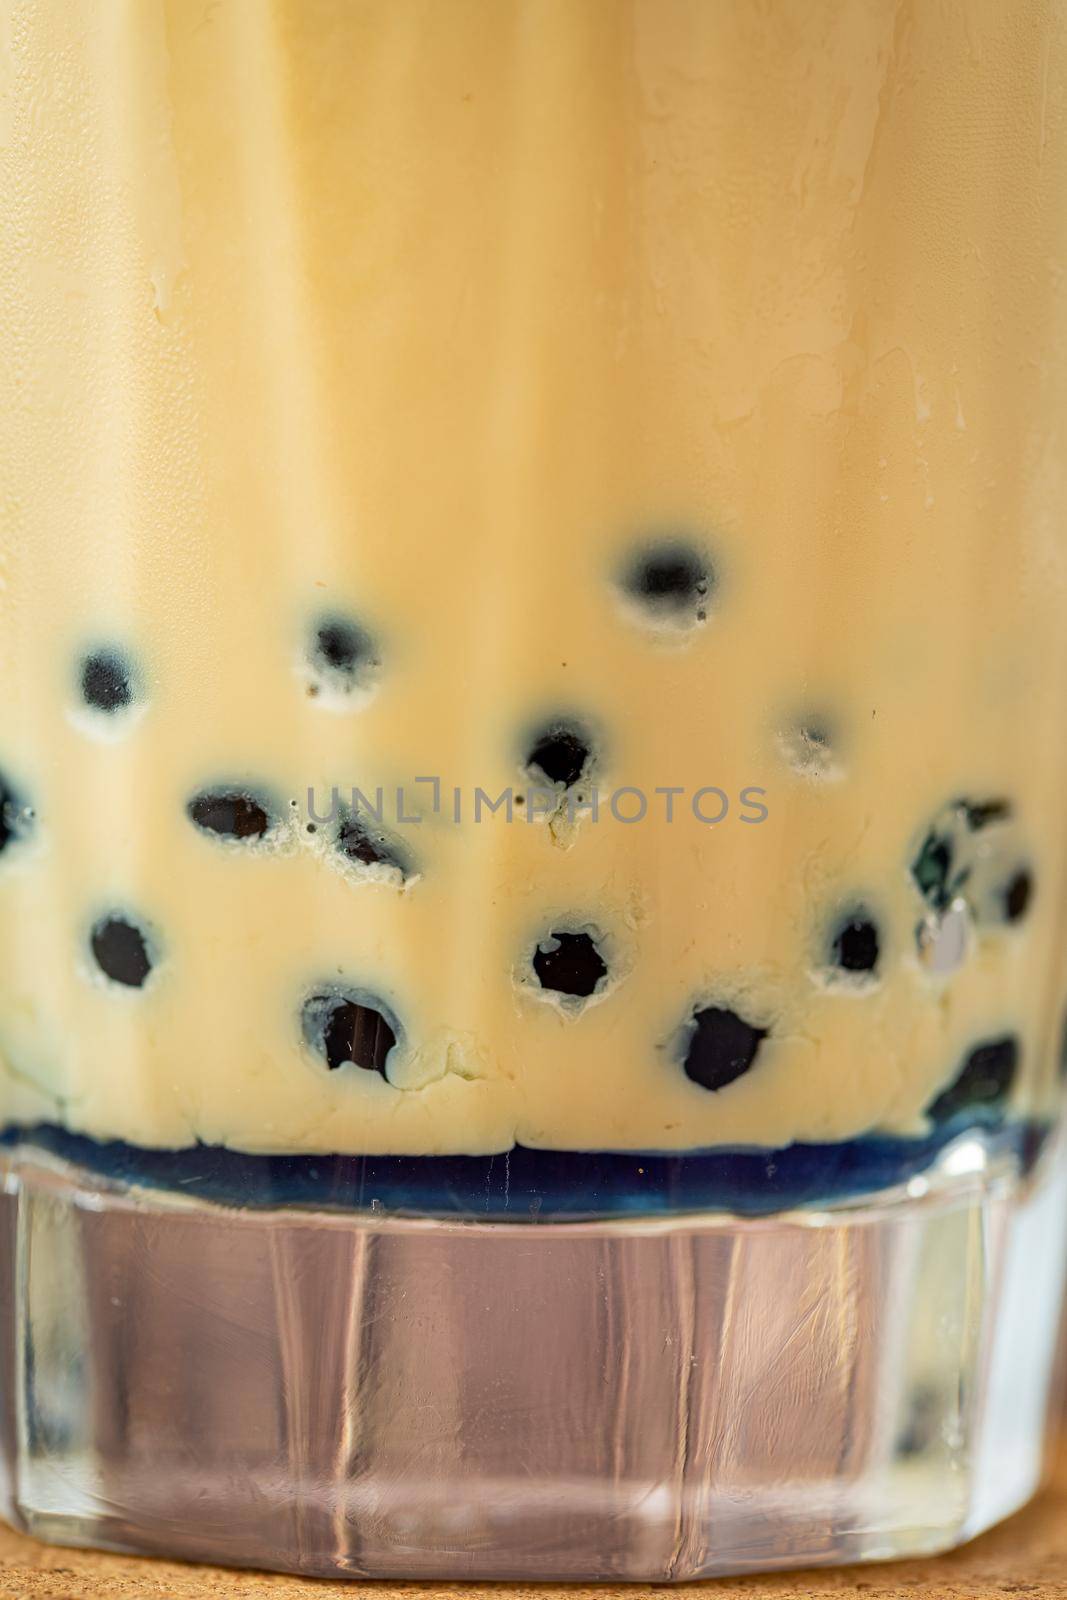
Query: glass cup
pixel 531 846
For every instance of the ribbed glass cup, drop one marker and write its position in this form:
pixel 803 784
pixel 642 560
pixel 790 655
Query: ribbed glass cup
pixel 532 854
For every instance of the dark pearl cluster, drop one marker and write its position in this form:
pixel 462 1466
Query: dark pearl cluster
pixel 966 861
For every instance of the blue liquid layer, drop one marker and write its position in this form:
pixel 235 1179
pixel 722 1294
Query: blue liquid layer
pixel 541 1185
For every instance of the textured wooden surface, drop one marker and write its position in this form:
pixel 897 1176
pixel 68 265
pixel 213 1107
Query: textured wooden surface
pixel 1026 1556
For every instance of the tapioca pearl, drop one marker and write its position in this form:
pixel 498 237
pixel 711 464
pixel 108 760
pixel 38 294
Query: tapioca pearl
pixel 1017 894
pixel 1001 890
pixel 122 949
pixel 719 1046
pixel 16 815
pixel 968 870
pixel 809 745
pixel 363 842
pixel 950 849
pixel 349 1027
pixel 981 814
pixel 931 869
pixel 342 657
pixel 983 1083
pixel 107 680
pixel 559 754
pixel 569 963
pixel 854 945
pixel 667 581
pixel 231 813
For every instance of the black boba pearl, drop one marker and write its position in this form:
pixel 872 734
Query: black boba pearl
pixel 106 680
pixel 670 579
pixel 982 813
pixel 1018 892
pixel 559 753
pixel 569 963
pixel 720 1047
pixel 9 809
pixel 120 950
pixel 365 844
pixel 358 1034
pixel 15 815
pixel 946 860
pixel 230 813
pixel 854 947
pixel 932 869
pixel 983 1082
pixel 341 651
pixel 346 1029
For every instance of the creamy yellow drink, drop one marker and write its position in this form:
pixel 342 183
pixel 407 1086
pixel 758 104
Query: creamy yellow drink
pixel 607 403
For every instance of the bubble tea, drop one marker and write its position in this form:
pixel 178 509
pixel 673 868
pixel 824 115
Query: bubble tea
pixel 531 605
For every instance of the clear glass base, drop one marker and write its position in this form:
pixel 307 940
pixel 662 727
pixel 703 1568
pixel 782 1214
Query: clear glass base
pixel 358 1395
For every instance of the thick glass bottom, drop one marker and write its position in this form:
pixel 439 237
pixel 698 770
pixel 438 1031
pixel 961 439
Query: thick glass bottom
pixel 661 1398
